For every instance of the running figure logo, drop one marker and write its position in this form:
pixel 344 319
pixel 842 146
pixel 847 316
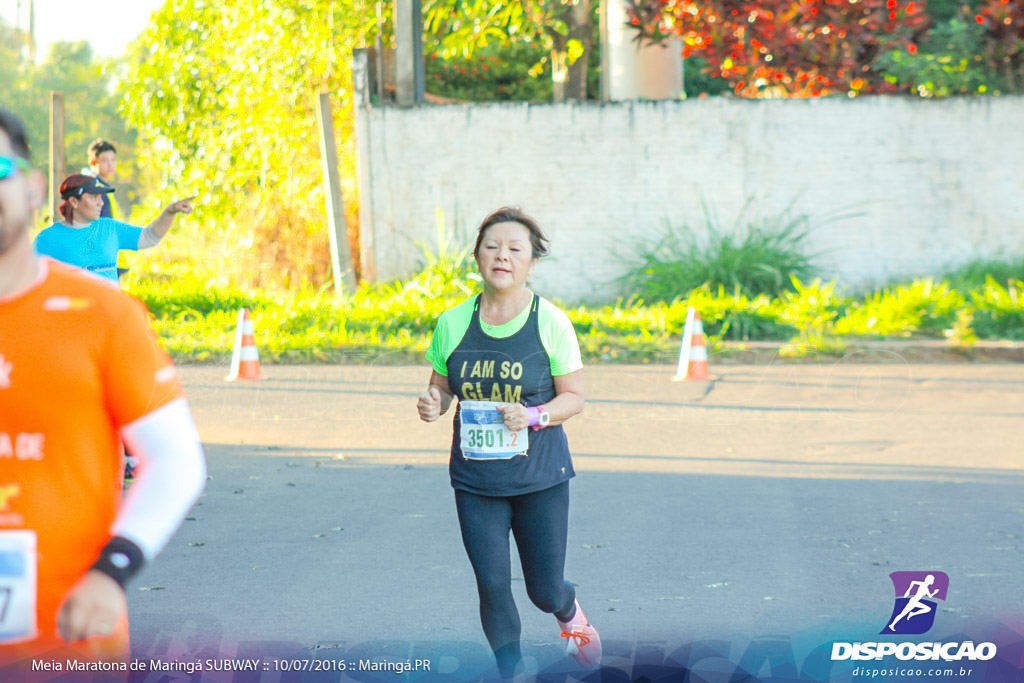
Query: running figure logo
pixel 914 612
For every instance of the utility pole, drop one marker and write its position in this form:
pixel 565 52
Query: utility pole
pixel 32 32
pixel 378 53
pixel 410 73
pixel 361 105
pixel 56 150
pixel 337 225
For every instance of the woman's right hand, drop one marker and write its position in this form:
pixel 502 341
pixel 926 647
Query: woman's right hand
pixel 429 404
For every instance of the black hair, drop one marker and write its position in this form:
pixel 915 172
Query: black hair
pixel 15 130
pixel 513 214
pixel 98 147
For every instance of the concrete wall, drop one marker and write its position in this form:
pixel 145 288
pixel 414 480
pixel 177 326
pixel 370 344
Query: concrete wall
pixel 933 183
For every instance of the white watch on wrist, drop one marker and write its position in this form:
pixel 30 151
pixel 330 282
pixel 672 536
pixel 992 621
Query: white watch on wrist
pixel 543 418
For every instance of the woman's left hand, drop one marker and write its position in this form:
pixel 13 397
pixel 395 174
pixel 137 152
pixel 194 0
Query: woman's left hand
pixel 181 206
pixel 515 415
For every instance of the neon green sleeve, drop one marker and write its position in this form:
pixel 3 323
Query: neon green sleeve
pixel 436 355
pixel 559 339
pixel 556 334
pixel 450 329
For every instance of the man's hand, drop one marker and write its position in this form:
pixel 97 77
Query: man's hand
pixel 94 607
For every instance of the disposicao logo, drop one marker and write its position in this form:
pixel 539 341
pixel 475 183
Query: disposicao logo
pixel 913 614
pixel 914 611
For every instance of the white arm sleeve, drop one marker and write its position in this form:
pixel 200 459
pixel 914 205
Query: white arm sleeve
pixel 148 239
pixel 170 476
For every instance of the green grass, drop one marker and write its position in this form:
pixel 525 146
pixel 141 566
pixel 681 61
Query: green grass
pixel 752 258
pixel 974 275
pixel 195 315
pixel 998 311
pixel 922 308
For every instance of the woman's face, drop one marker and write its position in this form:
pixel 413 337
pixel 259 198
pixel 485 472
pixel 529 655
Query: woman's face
pixel 88 208
pixel 505 258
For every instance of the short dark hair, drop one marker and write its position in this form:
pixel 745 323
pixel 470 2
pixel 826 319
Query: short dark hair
pixel 513 214
pixel 98 147
pixel 15 130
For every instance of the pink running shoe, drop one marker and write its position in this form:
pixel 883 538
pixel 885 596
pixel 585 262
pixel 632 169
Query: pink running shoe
pixel 582 641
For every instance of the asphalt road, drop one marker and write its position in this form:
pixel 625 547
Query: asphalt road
pixel 761 512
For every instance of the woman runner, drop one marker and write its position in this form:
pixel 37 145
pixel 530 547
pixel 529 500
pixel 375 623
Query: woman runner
pixel 513 361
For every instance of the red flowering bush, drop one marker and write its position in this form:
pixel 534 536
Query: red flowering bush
pixel 1003 21
pixel 802 48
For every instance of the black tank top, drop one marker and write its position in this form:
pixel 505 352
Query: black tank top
pixel 515 369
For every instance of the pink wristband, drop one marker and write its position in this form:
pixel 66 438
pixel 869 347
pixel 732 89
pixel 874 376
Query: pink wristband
pixel 534 413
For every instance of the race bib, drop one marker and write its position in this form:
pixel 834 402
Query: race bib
pixel 17 585
pixel 483 433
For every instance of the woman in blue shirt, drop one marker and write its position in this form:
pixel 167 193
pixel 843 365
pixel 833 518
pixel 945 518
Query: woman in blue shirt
pixel 85 240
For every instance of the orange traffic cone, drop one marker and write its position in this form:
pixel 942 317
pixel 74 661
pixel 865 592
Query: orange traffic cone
pixel 693 354
pixel 245 359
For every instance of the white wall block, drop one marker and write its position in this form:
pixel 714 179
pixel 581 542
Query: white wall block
pixel 934 183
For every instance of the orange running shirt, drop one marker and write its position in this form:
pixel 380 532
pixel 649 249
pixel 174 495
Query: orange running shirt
pixel 78 361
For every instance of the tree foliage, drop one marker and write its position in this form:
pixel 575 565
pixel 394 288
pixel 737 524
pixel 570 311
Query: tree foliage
pixel 11 65
pixel 224 95
pixel 787 47
pixel 494 73
pixel 1003 21
pixel 498 72
pixel 978 51
pixel 949 62
pixel 563 29
pixel 90 107
pixel 942 11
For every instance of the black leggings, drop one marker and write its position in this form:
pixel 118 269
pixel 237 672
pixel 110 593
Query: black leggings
pixel 540 522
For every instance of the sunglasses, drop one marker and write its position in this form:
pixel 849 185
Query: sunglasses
pixel 12 166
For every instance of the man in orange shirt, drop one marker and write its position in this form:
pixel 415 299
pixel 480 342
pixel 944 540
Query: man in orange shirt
pixel 71 389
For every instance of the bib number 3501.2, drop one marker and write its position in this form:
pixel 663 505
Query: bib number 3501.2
pixel 483 433
pixel 17 586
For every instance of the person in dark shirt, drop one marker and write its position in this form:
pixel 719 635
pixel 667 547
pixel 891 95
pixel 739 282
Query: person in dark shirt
pixel 512 360
pixel 103 165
